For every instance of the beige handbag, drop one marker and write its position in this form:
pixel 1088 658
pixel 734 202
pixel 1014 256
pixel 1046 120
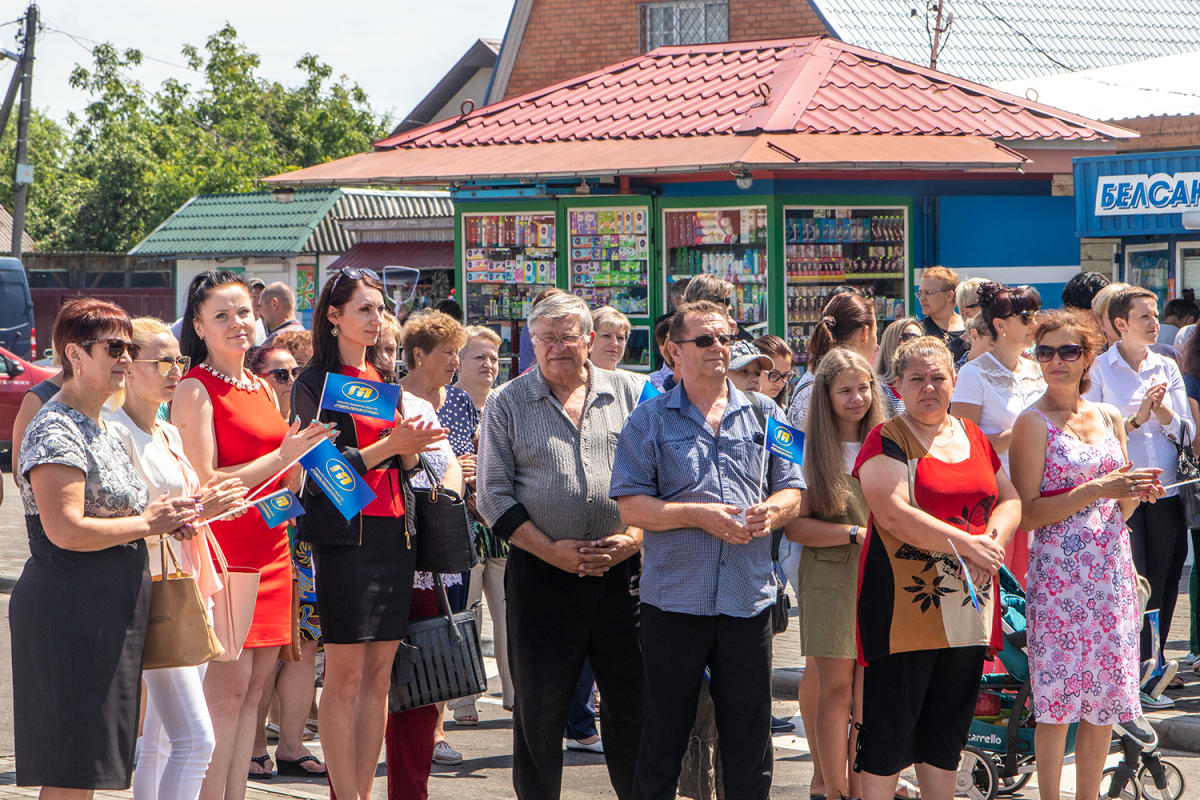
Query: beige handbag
pixel 233 606
pixel 179 633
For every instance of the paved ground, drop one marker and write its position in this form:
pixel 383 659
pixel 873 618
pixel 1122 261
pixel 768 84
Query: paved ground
pixel 486 771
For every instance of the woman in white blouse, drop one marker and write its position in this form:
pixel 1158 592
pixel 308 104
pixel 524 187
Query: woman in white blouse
pixel 993 389
pixel 1149 392
pixel 178 740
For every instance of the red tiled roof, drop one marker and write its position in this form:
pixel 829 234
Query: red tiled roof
pixel 377 255
pixel 812 85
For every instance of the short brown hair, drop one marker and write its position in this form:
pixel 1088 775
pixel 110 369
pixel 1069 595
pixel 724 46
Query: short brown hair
pixel 700 308
pixel 1085 330
pixel 1120 306
pixel 772 345
pixel 946 276
pixel 298 343
pixel 430 329
pixel 922 347
pixel 83 320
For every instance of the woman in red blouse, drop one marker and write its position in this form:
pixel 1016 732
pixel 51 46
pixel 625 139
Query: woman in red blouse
pixel 363 566
pixel 934 486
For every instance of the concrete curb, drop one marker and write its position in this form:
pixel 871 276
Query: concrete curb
pixel 1179 732
pixel 785 682
pixel 7 582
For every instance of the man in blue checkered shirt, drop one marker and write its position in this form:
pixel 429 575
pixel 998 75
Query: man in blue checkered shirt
pixel 689 471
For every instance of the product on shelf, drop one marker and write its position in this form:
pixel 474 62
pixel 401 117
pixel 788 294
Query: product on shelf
pixel 730 243
pixel 826 247
pixel 610 257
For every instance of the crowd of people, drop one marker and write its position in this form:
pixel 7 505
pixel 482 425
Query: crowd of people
pixel 628 541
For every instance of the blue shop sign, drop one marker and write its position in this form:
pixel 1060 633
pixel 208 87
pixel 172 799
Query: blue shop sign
pixel 1147 194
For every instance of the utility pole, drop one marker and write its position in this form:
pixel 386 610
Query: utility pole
pixel 24 174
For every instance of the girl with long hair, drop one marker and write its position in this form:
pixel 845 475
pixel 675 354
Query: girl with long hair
pixel 846 405
pixel 230 425
pixel 848 321
pixel 896 334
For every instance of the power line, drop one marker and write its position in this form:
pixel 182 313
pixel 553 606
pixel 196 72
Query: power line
pixel 79 40
pixel 1028 40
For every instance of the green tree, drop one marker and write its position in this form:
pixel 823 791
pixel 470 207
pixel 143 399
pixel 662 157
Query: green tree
pixel 132 157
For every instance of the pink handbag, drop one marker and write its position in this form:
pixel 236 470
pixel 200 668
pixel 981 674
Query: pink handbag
pixel 233 605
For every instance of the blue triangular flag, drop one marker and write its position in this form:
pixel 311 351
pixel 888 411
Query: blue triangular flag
pixel 785 441
pixel 278 507
pixel 649 392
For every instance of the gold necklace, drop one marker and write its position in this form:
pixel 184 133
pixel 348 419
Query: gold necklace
pixel 932 443
pixel 1067 420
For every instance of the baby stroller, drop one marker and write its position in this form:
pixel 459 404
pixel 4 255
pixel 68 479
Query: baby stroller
pixel 999 757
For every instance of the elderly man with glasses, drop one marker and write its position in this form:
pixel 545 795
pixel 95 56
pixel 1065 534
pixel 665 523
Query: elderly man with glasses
pixel 691 471
pixel 546 445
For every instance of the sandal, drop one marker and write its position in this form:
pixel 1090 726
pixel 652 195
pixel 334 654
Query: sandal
pixel 466 716
pixel 262 764
pixel 294 768
pixel 907 791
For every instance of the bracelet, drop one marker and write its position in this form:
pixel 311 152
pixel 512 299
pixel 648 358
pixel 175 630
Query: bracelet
pixel 1133 423
pixel 853 534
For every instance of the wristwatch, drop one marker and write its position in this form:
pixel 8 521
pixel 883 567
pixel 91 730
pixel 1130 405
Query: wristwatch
pixel 853 534
pixel 1132 420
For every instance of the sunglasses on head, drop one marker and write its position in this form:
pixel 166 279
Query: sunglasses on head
pixel 165 363
pixel 114 347
pixel 1067 352
pixel 707 340
pixel 1026 316
pixel 282 374
pixel 354 274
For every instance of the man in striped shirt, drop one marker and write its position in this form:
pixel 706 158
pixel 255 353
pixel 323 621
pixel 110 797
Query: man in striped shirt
pixel 689 470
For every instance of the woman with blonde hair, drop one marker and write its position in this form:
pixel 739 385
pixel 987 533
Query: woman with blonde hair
pixel 896 334
pixel 846 406
pixel 177 741
pixel 965 297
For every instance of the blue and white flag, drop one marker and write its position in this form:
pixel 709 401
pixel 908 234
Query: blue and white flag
pixel 341 482
pixel 785 441
pixel 358 396
pixel 649 392
pixel 278 507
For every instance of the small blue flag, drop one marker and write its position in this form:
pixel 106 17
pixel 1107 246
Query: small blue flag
pixel 785 441
pixel 649 392
pixel 340 482
pixel 358 396
pixel 278 507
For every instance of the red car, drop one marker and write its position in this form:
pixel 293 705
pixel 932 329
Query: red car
pixel 17 376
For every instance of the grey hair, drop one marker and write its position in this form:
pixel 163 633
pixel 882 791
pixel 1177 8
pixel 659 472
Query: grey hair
pixel 560 306
pixel 707 287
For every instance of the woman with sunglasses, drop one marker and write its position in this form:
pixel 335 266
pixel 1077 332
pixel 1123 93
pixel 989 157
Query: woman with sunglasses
pixel 1072 471
pixel 177 742
pixel 896 334
pixel 996 387
pixel 230 425
pixel 364 565
pixel 79 612
pixel 275 364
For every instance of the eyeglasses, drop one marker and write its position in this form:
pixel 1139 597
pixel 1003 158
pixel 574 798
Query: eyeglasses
pixel 926 293
pixel 115 347
pixel 972 305
pixel 908 336
pixel 1067 352
pixel 775 376
pixel 569 340
pixel 282 374
pixel 707 340
pixel 165 363
pixel 354 274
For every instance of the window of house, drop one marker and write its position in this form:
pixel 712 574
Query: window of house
pixel 675 22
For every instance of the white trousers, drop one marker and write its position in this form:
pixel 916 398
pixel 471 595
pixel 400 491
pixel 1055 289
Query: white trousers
pixel 487 581
pixel 178 739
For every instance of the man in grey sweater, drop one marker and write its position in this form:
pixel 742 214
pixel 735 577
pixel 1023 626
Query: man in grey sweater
pixel 546 446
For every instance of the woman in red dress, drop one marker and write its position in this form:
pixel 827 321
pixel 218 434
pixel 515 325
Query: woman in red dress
pixel 230 424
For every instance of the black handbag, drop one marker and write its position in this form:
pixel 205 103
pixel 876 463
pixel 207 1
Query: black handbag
pixel 443 528
pixel 441 657
pixel 1188 470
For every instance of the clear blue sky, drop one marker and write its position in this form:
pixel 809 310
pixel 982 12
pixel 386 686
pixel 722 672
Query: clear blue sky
pixel 397 50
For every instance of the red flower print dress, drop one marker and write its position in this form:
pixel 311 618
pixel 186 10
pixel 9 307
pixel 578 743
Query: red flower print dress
pixel 1081 605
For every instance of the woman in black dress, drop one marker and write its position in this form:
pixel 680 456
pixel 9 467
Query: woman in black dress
pixel 364 566
pixel 78 614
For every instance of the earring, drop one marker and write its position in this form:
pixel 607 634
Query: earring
pixel 335 330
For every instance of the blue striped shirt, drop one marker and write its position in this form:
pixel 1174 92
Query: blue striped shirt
pixel 668 450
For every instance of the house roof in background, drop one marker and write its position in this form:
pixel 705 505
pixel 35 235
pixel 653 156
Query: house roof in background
pixel 6 232
pixel 253 224
pixel 481 55
pixel 377 255
pixel 807 85
pixel 1165 86
pixel 991 41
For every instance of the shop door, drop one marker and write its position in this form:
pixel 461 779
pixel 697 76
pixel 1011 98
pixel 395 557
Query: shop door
pixel 1187 266
pixel 1146 266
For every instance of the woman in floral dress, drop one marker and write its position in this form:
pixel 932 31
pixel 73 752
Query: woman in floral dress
pixel 1077 488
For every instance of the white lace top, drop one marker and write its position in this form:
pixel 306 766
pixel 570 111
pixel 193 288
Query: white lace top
pixel 1000 393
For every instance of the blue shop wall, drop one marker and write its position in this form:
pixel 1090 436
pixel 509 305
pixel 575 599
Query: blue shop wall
pixel 1013 240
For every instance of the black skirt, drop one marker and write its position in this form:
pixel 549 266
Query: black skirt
pixel 78 626
pixel 364 591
